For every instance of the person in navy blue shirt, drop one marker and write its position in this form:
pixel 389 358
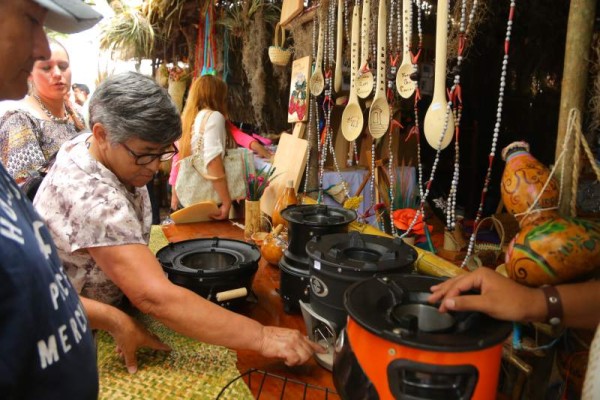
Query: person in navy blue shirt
pixel 46 346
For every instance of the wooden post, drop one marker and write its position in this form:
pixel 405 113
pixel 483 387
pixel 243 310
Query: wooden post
pixel 580 28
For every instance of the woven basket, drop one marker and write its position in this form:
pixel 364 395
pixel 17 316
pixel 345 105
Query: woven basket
pixel 277 53
pixel 489 253
pixel 176 90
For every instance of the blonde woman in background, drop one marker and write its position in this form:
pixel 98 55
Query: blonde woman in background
pixel 206 94
pixel 208 98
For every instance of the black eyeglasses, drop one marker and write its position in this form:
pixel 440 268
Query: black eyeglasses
pixel 145 159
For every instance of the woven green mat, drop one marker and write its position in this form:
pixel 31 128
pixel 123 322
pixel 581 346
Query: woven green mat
pixel 192 370
pixel 158 240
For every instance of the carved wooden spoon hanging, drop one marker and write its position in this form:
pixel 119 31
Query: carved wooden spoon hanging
pixel 379 114
pixel 406 86
pixel 337 77
pixel 317 81
pixel 352 117
pixel 437 117
pixel 364 78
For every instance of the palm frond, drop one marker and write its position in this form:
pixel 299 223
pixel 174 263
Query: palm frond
pixel 128 32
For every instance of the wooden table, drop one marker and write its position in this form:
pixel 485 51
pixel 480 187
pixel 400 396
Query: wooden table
pixel 268 311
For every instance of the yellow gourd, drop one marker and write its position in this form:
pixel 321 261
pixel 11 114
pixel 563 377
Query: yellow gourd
pixel 273 246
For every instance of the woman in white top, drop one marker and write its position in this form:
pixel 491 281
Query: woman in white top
pixel 208 94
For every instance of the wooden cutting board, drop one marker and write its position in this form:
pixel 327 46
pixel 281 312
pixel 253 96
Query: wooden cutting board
pixel 198 212
pixel 289 9
pixel 289 163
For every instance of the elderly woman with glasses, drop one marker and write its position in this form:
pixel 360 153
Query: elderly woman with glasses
pixel 96 206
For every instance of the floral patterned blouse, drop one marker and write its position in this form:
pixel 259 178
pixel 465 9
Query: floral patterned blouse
pixel 85 205
pixel 26 142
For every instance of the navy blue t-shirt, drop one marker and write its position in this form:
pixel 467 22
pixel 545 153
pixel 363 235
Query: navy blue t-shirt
pixel 46 346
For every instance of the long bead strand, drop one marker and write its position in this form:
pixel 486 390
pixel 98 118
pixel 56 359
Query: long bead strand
pixel 496 133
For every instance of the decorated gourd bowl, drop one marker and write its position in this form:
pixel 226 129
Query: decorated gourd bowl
pixel 523 179
pixel 550 249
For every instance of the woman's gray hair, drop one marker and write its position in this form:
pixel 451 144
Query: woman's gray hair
pixel 133 105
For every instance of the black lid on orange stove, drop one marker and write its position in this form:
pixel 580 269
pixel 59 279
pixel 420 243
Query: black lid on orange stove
pixel 394 307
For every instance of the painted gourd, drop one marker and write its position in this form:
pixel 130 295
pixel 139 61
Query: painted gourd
pixel 551 249
pixel 272 249
pixel 274 245
pixel 523 179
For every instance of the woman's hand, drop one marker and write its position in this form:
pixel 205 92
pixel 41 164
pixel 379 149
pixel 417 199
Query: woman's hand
pixel 499 297
pixel 287 344
pixel 174 200
pixel 129 336
pixel 223 212
pixel 260 150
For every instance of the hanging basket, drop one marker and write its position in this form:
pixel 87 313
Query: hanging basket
pixel 177 91
pixel 277 53
pixel 485 253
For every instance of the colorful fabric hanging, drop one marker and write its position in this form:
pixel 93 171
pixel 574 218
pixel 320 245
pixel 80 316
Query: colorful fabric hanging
pixel 206 51
pixel 208 67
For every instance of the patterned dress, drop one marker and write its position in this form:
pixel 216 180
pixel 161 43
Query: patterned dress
pixel 85 205
pixel 26 142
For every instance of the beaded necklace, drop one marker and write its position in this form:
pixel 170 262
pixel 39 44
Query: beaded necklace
pixel 313 117
pixel 417 131
pixel 391 79
pixel 52 117
pixel 492 154
pixel 346 17
pixel 456 98
pixel 328 103
pixel 353 147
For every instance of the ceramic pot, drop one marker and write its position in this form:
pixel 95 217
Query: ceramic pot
pixel 551 249
pixel 523 180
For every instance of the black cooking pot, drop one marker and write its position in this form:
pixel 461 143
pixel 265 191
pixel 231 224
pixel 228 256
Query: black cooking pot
pixel 341 259
pixel 220 270
pixel 304 223
pixel 310 220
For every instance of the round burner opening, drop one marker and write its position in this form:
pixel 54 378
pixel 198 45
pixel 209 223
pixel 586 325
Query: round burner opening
pixel 208 260
pixel 429 318
pixel 317 218
pixel 362 254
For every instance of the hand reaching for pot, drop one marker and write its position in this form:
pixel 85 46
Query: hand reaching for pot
pixel 288 344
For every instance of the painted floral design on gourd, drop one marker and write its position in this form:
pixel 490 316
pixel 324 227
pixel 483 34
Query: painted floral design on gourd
pixel 553 249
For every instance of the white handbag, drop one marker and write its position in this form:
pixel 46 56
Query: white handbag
pixel 194 185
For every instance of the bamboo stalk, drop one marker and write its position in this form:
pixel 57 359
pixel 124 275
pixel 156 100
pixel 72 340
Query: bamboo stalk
pixel 580 28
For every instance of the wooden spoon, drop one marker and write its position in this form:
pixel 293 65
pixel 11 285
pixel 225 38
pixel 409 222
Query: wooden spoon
pixel 379 114
pixel 352 117
pixel 337 77
pixel 364 77
pixel 436 114
pixel 317 81
pixel 406 86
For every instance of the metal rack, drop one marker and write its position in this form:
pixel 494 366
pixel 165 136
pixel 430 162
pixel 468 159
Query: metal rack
pixel 286 388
